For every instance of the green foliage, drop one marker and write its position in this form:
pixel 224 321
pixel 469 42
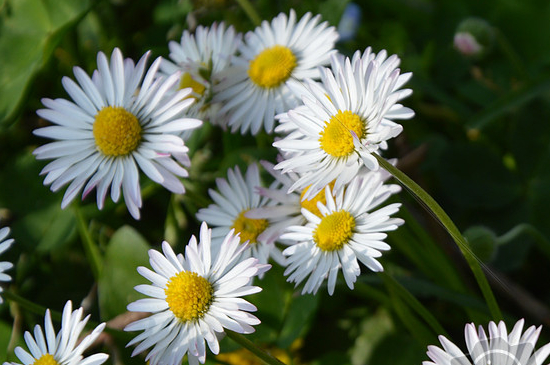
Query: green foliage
pixel 126 250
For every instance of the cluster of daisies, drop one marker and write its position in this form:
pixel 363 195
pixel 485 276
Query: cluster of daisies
pixel 324 212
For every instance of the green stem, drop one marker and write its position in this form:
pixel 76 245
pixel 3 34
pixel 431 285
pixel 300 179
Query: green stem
pixel 524 228
pixel 249 345
pixel 91 249
pixel 250 11
pixel 432 206
pixel 30 306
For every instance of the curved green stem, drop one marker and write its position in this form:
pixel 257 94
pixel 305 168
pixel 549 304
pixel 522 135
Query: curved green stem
pixel 525 228
pixel 92 252
pixel 30 306
pixel 250 11
pixel 432 206
pixel 249 345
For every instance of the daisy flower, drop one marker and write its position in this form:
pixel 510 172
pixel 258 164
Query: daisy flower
pixel 356 96
pixel 236 196
pixel 199 58
pixel 348 230
pixel 193 298
pixel 498 348
pixel 287 208
pixel 65 348
pixel 255 88
pixel 4 265
pixel 116 123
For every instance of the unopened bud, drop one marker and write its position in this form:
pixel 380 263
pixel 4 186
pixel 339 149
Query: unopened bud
pixel 474 37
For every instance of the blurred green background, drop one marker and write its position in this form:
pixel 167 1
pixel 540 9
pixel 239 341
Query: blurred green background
pixel 479 143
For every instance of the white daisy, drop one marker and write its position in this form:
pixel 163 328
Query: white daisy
pixel 4 265
pixel 255 88
pixel 193 299
pixel 497 348
pixel 199 58
pixel 65 348
pixel 115 123
pixel 358 95
pixel 236 196
pixel 287 208
pixel 348 230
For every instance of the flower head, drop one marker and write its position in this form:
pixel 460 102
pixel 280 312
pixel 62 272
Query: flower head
pixel 255 88
pixel 116 123
pixel 193 298
pixel 357 96
pixel 65 348
pixel 199 59
pixel 4 265
pixel 348 229
pixel 235 197
pixel 499 347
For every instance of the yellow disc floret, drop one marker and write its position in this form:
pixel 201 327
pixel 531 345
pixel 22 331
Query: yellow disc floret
pixel 272 66
pixel 334 231
pixel 335 138
pixel 189 295
pixel 117 132
pixel 46 359
pixel 249 228
pixel 188 81
pixel 311 204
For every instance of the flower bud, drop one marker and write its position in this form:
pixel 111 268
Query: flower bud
pixel 474 37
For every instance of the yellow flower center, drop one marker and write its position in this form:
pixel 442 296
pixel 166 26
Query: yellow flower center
pixel 188 81
pixel 117 132
pixel 336 139
pixel 272 66
pixel 249 228
pixel 334 231
pixel 189 295
pixel 46 359
pixel 311 204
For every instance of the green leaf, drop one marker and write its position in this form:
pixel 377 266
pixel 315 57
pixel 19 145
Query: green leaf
pixel 29 33
pixel 126 250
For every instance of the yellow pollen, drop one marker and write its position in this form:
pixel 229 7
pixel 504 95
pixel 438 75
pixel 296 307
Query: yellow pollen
pixel 189 295
pixel 188 81
pixel 336 139
pixel 311 204
pixel 272 66
pixel 46 359
pixel 117 132
pixel 249 228
pixel 334 231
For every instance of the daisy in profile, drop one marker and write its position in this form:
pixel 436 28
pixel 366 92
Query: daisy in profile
pixel 118 122
pixel 255 89
pixel 193 298
pixel 237 195
pixel 199 58
pixel 498 347
pixel 356 96
pixel 4 265
pixel 65 348
pixel 349 230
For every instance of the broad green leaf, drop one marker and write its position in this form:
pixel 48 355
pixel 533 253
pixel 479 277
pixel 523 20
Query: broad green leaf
pixel 29 33
pixel 126 250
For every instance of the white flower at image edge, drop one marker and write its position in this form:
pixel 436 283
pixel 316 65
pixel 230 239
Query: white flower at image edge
pixel 115 123
pixel 193 298
pixel 499 347
pixel 5 244
pixel 65 348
